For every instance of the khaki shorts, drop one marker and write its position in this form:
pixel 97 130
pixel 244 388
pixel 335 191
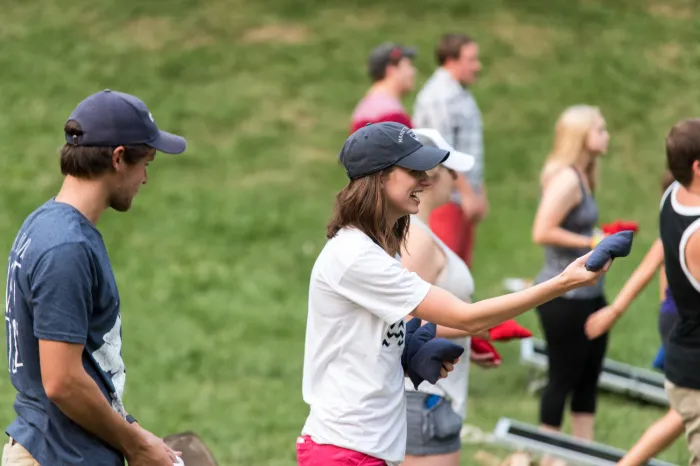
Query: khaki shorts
pixel 14 454
pixel 686 402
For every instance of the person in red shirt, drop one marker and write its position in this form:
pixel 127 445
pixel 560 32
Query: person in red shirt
pixel 390 66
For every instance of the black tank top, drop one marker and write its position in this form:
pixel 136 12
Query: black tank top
pixel 676 224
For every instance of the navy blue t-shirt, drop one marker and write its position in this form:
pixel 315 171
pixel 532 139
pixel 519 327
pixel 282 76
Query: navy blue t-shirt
pixel 60 287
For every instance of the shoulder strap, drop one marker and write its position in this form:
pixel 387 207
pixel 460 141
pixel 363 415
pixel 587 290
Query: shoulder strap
pixel 579 175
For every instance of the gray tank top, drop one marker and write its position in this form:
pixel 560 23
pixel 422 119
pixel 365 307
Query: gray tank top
pixel 582 219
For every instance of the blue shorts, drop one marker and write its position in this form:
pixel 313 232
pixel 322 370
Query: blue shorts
pixel 433 426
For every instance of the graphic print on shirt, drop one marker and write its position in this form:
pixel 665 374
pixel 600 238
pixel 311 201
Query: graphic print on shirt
pixel 14 360
pixel 109 358
pixel 394 334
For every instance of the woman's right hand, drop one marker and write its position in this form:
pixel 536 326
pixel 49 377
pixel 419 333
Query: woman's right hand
pixel 576 275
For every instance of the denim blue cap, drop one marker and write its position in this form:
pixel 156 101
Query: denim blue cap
pixel 110 118
pixel 377 146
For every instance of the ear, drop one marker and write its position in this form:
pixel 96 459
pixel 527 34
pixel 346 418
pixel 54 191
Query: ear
pixel 696 169
pixel 383 177
pixel 118 159
pixel 389 70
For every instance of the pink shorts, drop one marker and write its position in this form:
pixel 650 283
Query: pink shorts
pixel 310 453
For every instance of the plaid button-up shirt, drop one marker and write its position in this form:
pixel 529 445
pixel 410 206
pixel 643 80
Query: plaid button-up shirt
pixel 443 104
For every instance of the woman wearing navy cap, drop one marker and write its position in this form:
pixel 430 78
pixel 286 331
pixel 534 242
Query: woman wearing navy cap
pixel 359 295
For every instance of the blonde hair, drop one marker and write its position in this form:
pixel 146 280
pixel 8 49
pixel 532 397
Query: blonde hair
pixel 568 148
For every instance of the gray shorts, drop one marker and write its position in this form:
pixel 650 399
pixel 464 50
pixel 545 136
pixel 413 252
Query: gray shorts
pixel 431 431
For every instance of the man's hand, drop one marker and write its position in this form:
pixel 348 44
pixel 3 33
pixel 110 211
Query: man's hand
pixel 483 208
pixel 153 452
pixel 469 200
pixel 475 206
pixel 471 206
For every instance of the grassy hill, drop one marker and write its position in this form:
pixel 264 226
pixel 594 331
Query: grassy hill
pixel 213 260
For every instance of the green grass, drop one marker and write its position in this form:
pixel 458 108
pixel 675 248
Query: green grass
pixel 213 260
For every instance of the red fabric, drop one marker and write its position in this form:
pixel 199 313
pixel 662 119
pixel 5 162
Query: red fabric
pixel 398 117
pixel 618 226
pixel 378 106
pixel 450 224
pixel 481 346
pixel 310 453
pixel 508 330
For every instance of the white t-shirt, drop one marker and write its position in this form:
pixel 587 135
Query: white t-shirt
pixel 353 379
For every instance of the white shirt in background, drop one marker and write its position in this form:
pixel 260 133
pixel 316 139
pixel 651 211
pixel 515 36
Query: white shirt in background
pixel 353 380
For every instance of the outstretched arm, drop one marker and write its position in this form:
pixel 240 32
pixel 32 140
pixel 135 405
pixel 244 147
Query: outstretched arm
pixel 420 256
pixel 442 308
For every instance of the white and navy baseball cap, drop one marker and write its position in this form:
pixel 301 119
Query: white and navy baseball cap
pixel 377 146
pixel 110 118
pixel 457 161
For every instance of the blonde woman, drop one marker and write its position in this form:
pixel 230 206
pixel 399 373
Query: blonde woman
pixel 564 227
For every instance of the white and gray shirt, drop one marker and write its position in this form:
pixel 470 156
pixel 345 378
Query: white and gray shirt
pixel 445 105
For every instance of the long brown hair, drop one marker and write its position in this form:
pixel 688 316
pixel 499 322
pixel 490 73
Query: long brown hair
pixel 362 204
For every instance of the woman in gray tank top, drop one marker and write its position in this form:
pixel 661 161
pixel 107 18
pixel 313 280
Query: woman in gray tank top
pixel 565 227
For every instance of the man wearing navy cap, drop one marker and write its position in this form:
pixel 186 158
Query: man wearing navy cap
pixel 62 312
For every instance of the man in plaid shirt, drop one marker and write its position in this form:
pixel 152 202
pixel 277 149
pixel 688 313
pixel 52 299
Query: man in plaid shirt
pixel 445 104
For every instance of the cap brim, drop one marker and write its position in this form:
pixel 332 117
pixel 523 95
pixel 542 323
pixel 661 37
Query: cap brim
pixel 457 161
pixel 425 158
pixel 169 143
pixel 409 52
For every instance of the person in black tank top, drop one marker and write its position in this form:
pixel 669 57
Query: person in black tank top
pixel 679 223
pixel 676 223
pixel 669 428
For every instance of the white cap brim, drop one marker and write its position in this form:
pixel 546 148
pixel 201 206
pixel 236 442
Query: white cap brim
pixel 457 161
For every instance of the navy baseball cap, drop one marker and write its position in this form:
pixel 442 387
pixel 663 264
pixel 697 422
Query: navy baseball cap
pixel 377 146
pixel 110 118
